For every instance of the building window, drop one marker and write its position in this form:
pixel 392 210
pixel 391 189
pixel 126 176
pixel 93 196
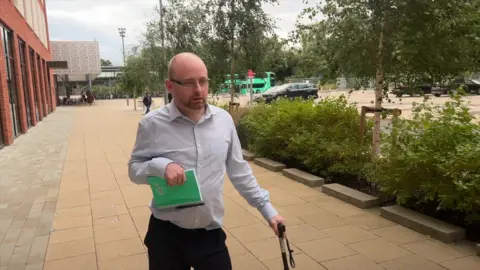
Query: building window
pixel 23 68
pixel 42 85
pixel 33 68
pixel 7 39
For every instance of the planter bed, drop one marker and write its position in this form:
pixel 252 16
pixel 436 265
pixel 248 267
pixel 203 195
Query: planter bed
pixel 424 224
pixel 269 164
pixel 352 196
pixel 303 177
pixel 453 217
pixel 447 226
pixel 248 156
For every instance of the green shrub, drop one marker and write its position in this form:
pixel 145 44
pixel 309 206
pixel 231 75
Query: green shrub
pixel 322 138
pixel 433 158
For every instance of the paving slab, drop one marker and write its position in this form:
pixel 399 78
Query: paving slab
pixel 65 196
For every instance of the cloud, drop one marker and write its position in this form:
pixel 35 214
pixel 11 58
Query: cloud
pixel 100 20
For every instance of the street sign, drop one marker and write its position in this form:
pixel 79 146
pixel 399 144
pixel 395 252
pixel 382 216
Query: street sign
pixel 251 74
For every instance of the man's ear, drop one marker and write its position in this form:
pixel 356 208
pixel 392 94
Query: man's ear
pixel 168 84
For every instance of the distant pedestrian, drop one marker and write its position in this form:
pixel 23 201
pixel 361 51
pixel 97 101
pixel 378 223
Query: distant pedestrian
pixel 147 102
pixel 90 97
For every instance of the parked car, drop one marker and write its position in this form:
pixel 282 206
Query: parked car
pixel 399 91
pixel 471 86
pixel 439 90
pixel 289 90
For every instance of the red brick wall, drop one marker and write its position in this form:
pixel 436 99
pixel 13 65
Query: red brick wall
pixel 6 120
pixel 13 20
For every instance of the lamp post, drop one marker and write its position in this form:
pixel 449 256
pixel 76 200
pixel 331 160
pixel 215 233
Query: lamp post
pixel 162 37
pixel 122 32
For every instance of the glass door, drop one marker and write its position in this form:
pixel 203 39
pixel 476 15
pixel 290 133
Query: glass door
pixel 12 91
pixel 26 93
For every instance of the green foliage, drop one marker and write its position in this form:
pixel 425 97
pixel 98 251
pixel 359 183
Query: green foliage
pixel 323 137
pixel 136 76
pixel 424 41
pixel 433 158
pixel 209 28
pixel 104 62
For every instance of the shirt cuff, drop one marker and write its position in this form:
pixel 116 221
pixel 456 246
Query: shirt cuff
pixel 158 166
pixel 268 211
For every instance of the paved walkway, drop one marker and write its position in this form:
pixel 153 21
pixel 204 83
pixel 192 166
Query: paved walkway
pixel 66 203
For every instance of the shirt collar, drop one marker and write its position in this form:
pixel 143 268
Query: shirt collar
pixel 174 112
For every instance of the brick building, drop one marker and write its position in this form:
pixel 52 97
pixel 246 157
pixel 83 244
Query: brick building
pixel 27 92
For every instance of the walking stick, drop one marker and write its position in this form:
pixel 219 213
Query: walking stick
pixel 283 237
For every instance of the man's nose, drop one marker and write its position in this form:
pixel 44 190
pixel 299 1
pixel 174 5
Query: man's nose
pixel 197 87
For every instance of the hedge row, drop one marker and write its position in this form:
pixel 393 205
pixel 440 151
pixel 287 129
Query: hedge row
pixel 432 159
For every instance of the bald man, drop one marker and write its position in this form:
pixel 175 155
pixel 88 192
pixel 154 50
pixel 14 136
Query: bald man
pixel 190 134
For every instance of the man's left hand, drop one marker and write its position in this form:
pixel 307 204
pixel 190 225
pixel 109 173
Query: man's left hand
pixel 275 221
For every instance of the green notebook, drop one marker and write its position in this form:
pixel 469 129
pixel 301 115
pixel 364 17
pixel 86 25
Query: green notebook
pixel 183 196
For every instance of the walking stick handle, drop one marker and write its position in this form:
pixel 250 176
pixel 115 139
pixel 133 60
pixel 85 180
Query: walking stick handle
pixel 282 237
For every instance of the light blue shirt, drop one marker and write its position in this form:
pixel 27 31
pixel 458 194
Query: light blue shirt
pixel 211 147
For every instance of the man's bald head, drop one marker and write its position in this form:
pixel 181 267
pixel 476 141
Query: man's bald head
pixel 182 59
pixel 188 82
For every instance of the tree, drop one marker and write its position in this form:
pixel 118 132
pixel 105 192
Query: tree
pixel 205 28
pixel 279 57
pixel 312 39
pixel 105 63
pixel 136 76
pixel 395 41
pixel 240 26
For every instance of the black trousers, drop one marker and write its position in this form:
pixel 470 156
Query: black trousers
pixel 173 248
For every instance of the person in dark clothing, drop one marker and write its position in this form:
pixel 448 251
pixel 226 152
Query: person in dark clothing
pixel 147 101
pixel 90 97
pixel 169 97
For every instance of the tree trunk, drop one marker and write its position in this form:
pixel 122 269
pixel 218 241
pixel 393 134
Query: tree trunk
pixel 378 92
pixel 232 51
pixel 135 103
pixel 164 61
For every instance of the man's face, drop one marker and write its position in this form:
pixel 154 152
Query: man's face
pixel 189 84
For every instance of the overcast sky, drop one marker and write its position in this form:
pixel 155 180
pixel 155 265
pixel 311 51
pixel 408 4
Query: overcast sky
pixel 100 20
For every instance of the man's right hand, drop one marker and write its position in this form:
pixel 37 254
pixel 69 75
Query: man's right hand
pixel 174 174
